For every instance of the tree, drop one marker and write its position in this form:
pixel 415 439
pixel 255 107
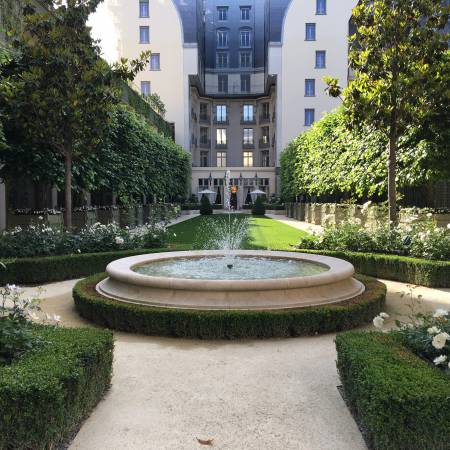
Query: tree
pixel 205 206
pixel 398 56
pixel 62 91
pixel 258 208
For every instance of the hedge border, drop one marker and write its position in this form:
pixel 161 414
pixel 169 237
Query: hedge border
pixel 423 272
pixel 183 323
pixel 399 400
pixel 47 393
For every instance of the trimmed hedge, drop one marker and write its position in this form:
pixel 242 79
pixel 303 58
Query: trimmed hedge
pixel 62 267
pixel 424 272
pixel 227 324
pixel 400 401
pixel 46 394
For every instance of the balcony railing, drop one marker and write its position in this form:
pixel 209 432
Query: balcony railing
pixel 205 143
pixel 248 145
pixel 205 118
pixel 247 121
pixel 221 146
pixel 264 143
pixel 264 119
pixel 221 121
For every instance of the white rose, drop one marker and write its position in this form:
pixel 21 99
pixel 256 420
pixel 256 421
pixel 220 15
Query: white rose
pixel 384 315
pixel 440 313
pixel 433 330
pixel 448 226
pixel 378 322
pixel 119 240
pixel 440 340
pixel 429 215
pixel 439 360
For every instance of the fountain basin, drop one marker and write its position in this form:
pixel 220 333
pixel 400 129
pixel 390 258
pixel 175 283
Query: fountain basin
pixel 315 280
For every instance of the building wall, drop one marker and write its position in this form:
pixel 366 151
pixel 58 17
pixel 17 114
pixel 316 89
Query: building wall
pixel 295 61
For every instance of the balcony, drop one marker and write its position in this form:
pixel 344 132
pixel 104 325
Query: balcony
pixel 221 146
pixel 264 142
pixel 194 116
pixel 247 121
pixel 205 143
pixel 248 145
pixel 205 118
pixel 221 121
pixel 264 118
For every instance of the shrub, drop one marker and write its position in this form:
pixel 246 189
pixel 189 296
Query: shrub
pixel 227 324
pixel 205 206
pixel 46 394
pixel 400 401
pixel 421 240
pixel 258 208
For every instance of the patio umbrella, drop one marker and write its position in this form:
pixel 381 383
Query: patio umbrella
pixel 256 193
pixel 211 194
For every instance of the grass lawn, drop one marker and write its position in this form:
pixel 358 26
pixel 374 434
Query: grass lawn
pixel 264 233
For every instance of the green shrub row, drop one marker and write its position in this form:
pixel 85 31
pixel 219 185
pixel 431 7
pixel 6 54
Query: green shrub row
pixel 424 272
pixel 64 267
pixel 46 394
pixel 227 324
pixel 400 401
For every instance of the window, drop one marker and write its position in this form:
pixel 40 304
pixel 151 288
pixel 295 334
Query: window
pixel 221 113
pixel 222 60
pixel 265 111
pixel 265 135
pixel 221 159
pixel 245 12
pixel 155 62
pixel 309 117
pixel 145 88
pixel 248 159
pixel 223 83
pixel 310 87
pixel 310 32
pixel 144 35
pixel 221 136
pixel 143 8
pixel 204 159
pixel 265 158
pixel 321 7
pixel 245 36
pixel 248 113
pixel 248 136
pixel 222 38
pixel 245 59
pixel 204 135
pixel 320 59
pixel 203 111
pixel 222 13
pixel 245 83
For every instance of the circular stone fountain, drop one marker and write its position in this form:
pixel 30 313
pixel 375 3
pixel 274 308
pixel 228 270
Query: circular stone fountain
pixel 245 280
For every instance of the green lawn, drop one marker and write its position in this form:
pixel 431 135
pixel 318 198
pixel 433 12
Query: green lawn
pixel 264 233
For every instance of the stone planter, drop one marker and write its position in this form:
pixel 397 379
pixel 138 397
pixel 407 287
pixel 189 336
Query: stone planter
pixel 106 216
pixel 127 217
pixel 24 220
pixel 81 219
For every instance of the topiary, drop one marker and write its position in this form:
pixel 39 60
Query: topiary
pixel 205 206
pixel 258 208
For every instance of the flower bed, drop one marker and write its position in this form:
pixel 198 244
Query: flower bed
pixel 400 401
pixel 227 324
pixel 47 393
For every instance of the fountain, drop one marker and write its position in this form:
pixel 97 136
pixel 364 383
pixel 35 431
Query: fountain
pixel 230 279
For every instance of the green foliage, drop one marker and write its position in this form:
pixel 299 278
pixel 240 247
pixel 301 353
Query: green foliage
pixel 400 401
pixel 421 240
pixel 331 158
pixel 205 206
pixel 227 324
pixel 259 208
pixel 423 272
pixel 46 394
pixel 45 269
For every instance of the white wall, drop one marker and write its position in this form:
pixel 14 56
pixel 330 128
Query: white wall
pixel 297 62
pixel 117 24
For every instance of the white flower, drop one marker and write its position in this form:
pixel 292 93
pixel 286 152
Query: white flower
pixel 119 240
pixel 429 215
pixel 440 313
pixel 449 365
pixel 56 318
pixel 378 322
pixel 13 289
pixel 78 250
pixel 174 234
pixel 40 218
pixel 33 316
pixel 433 330
pixel 439 360
pixel 366 205
pixel 384 315
pixel 440 340
pixel 448 226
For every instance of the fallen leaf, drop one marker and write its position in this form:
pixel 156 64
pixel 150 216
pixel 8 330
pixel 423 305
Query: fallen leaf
pixel 209 442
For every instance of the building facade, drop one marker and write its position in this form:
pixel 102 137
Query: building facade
pixel 240 78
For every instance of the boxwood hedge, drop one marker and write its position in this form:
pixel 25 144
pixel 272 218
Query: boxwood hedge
pixel 227 324
pixel 400 401
pixel 46 394
pixel 424 272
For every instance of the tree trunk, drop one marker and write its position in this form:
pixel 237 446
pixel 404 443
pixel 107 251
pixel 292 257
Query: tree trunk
pixel 392 170
pixel 68 189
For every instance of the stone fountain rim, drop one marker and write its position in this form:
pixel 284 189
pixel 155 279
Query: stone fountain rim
pixel 121 270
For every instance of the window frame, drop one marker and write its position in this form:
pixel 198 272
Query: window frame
pixel 321 7
pixel 158 58
pixel 308 83
pixel 221 136
pixel 224 78
pixel 203 154
pixel 245 76
pixel 248 136
pixel 307 112
pixel 248 112
pixel 221 117
pixel 144 2
pixel 224 33
pixel 324 53
pixel 247 159
pixel 248 32
pixel 146 83
pixel 227 58
pixel 310 26
pixel 247 9
pixel 265 158
pixel 222 157
pixel 222 9
pixel 141 29
pixel 247 53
